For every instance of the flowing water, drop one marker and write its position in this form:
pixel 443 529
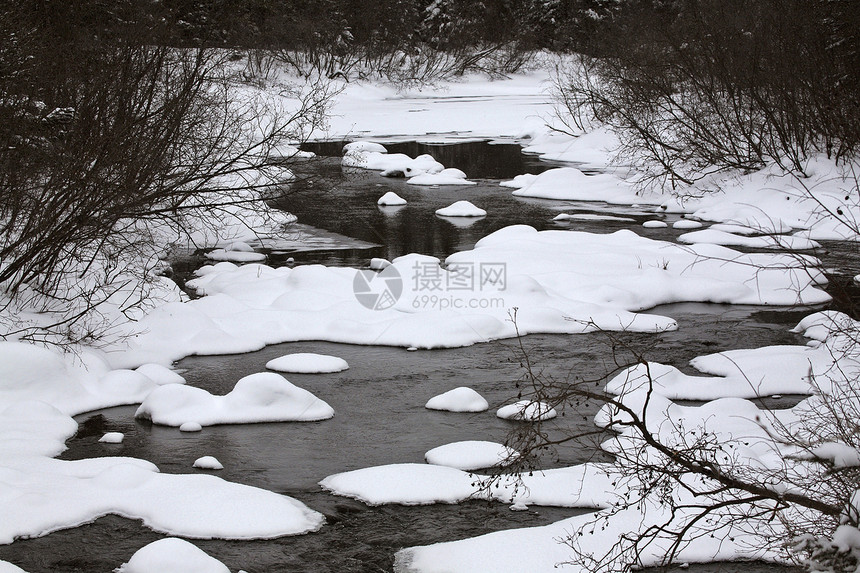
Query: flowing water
pixel 379 402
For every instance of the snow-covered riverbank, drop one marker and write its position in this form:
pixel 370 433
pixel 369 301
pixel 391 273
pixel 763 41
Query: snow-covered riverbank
pixel 558 282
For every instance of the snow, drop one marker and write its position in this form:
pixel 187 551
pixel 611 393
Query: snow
pixel 389 164
pixel 686 224
pixel 560 282
pixel 527 411
pixel 378 264
pixel 719 237
pixel 160 374
pixel 471 455
pixel 461 209
pixel 590 217
pixel 462 399
pixel 235 256
pixel 262 397
pixel 571 184
pixel 391 199
pixel 655 224
pixel 307 363
pixel 112 438
pixel 449 176
pixel 41 494
pixel 586 485
pixel 208 463
pixel 172 555
pixel 6 567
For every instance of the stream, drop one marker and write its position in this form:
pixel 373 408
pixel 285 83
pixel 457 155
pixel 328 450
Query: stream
pixel 379 401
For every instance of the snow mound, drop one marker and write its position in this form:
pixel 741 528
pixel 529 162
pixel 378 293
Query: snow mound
pixel 461 209
pixel 527 411
pixel 462 399
pixel 236 252
pixel 160 374
pixel 406 484
pixel 375 157
pixel 391 199
pixel 208 463
pixel 471 455
pixel 686 224
pixel 654 224
pixel 571 184
pixel 721 237
pixel 262 397
pixel 112 438
pixel 449 176
pixel 590 217
pixel 307 363
pixel 172 555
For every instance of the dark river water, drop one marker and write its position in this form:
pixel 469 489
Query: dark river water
pixel 379 401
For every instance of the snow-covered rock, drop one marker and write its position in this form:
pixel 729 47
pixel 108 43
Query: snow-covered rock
pixel 112 438
pixel 461 209
pixel 262 397
pixel 208 463
pixel 462 399
pixel 391 199
pixel 172 555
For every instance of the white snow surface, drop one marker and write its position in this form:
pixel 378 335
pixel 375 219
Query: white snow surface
pixel 391 199
pixel 172 555
pixel 208 463
pixel 560 282
pixel 571 184
pixel 462 399
pixel 307 363
pixel 261 397
pixel 471 455
pixel 40 494
pixel 448 176
pixel 461 209
pixel 112 438
pixel 527 411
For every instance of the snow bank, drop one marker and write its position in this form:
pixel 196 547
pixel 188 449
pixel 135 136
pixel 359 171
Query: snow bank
pixel 560 282
pixel 262 397
pixel 40 494
pixel 307 363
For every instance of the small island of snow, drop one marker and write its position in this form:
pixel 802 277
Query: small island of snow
pixel 461 209
pixel 307 363
pixel 462 399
